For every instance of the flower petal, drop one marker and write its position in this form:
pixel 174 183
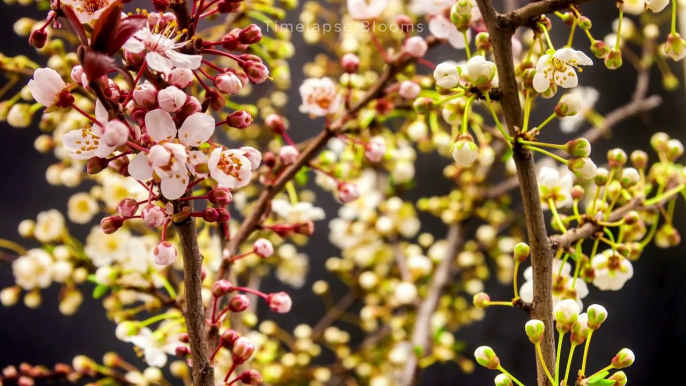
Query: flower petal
pixel 160 125
pixel 196 129
pixel 183 60
pixel 139 167
pixel 158 62
pixel 174 187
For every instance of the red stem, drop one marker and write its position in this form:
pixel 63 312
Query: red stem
pixel 135 83
pixel 85 114
pixel 228 374
pixel 250 291
pixel 137 147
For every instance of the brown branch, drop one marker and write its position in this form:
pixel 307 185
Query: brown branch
pixel 541 251
pixel 334 313
pixel 523 16
pixel 441 276
pixel 203 372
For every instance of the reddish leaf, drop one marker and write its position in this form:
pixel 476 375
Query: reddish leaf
pixel 95 64
pixel 105 27
pixel 127 28
pixel 75 24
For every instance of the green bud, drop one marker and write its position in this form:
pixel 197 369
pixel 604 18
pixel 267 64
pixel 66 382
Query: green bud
pixel 578 148
pixel 481 300
pixel 486 357
pixel 659 141
pixel 629 178
pixel 639 159
pixel 423 105
pixel 623 359
pixel 613 60
pixel 580 330
pixel 482 42
pixel 600 49
pixel 534 330
pixel 670 82
pixel 503 380
pixel 578 192
pixel 616 158
pixel 521 252
pixel 597 314
pixel 585 23
pixel 602 176
pixel 619 377
pixel 566 313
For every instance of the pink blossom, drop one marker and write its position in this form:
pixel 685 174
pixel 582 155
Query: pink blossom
pixel 288 154
pixel 171 99
pixel 416 46
pixel 127 207
pixel 253 155
pixel 242 350
pixel 115 133
pixel 164 253
pixel 228 83
pixel 409 89
pixel 145 94
pixel 153 215
pixel 280 302
pixel 230 168
pixel 46 86
pixel 319 97
pixel 375 149
pixel 347 192
pixel 263 248
pixel 180 77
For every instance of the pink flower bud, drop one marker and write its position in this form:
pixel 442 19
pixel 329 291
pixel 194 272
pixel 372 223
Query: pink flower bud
pixel 257 72
pixel 191 106
pixel 305 228
pixel 180 77
pixel 171 99
pixel 230 40
pixel 221 288
pixel 111 224
pixel 350 62
pixel 38 38
pixel 375 149
pixel 228 83
pixel 182 351
pixel 77 74
pixel 228 338
pixel 239 119
pixel 405 23
pixel 253 155
pixel 183 337
pixel 127 207
pixel 145 95
pixel 347 192
pixel 275 123
pixel 115 133
pixel 416 46
pixel 164 253
pixel 224 215
pixel 288 154
pixel 250 34
pixel 280 302
pixel 210 214
pixel 263 248
pixel 251 377
pixel 239 303
pixel 242 350
pixel 220 196
pixel 153 215
pixel 409 90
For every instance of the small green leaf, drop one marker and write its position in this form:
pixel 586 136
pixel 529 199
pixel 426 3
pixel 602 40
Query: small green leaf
pixel 99 291
pixel 418 352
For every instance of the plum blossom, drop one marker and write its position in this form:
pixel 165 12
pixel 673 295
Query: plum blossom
pixel 230 167
pixel 564 285
pixel 366 9
pixel 88 10
pixel 160 50
pixel 555 186
pixel 446 75
pixel 298 213
pixel 33 270
pixel 280 302
pixel 47 87
pixel 612 270
pixel 588 97
pixel 155 347
pixel 100 141
pixel 559 68
pixel 319 97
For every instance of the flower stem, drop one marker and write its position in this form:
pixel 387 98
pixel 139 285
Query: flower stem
pixel 547 37
pixel 675 190
pixel 514 279
pixel 588 343
pixel 545 368
pixel 557 360
pixel 619 27
pixel 674 12
pixel 497 121
pixel 466 44
pixel 601 370
pixel 549 154
pixel 465 116
pixel 569 364
pixel 527 112
pixel 515 380
pixel 556 216
pixel 547 120
pixel 292 194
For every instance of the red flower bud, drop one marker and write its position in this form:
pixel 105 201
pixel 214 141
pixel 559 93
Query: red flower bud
pixel 405 23
pixel 182 351
pixel 38 38
pixel 111 224
pixel 228 338
pixel 210 214
pixel 251 377
pixel 250 34
pixel 350 62
pixel 224 215
pixel 257 72
pixel 239 303
pixel 220 196
pixel 127 207
pixel 96 165
pixel 221 288
pixel 225 6
pixel 239 119
pixel 231 41
pixel 243 349
pixel 183 337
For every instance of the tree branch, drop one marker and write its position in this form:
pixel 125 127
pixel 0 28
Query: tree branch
pixel 541 251
pixel 522 16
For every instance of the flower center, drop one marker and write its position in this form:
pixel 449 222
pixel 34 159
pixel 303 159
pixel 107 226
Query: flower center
pixel 89 142
pixel 230 165
pixel 91 6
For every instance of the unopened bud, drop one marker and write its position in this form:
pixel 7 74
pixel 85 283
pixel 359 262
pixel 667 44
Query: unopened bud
pixel 210 214
pixel 616 158
pixel 486 357
pixel 613 60
pixel 578 192
pixel 521 252
pixel 503 380
pixel 239 303
pixel 639 159
pixel 350 63
pixel 220 196
pixel 623 359
pixel 481 300
pixel 600 49
pixel 127 207
pixel 228 338
pixel 111 224
pixel 534 330
pixel 239 119
pixel 578 148
pixel 619 377
pixel 182 351
pixel 243 349
pixel 38 38
pixel 580 330
pixel 629 178
pixel 221 288
pixel 597 314
pixel 601 177
pixel 566 313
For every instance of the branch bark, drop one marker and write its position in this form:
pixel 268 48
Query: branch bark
pixel 541 251
pixel 522 16
pixel 422 327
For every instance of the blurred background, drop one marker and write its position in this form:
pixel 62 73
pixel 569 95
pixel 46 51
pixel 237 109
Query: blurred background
pixel 646 316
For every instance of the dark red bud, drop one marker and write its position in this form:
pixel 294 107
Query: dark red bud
pixel 182 351
pixel 111 224
pixel 220 196
pixel 38 38
pixel 228 338
pixel 224 215
pixel 250 34
pixel 96 164
pixel 210 215
pixel 221 288
pixel 239 119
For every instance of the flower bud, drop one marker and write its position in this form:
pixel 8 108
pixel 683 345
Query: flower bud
pixel 600 49
pixel 182 351
pixel 19 115
pixel 224 215
pixel 263 248
pixel 674 47
pixel 569 105
pixel 405 23
pixel 566 313
pixel 623 359
pixel 350 63
pixel 180 77
pixel 465 150
pixel 220 196
pixel 521 252
pixel 582 168
pixel 375 149
pixel 503 380
pixel 619 377
pixel 239 119
pixel 667 236
pixel 580 330
pixel 347 192
pixel 616 158
pixel 250 35
pixel 257 72
pixel 578 148
pixel 250 377
pixel 242 350
pixel 164 253
pixel 578 192
pixel 153 215
pixel 409 89
pixel 228 83
pixel 629 178
pixel 597 314
pixel 145 94
pixel 171 99
pixel 534 330
pixel 674 149
pixel 288 154
pixel 423 104
pixel 96 164
pixel 481 300
pixel 280 302
pixel 221 288
pixel 482 42
pixel 127 207
pixel 416 46
pixel 486 357
pixel 639 159
pixel 210 214
pixel 239 303
pixel 228 338
pixel 77 74
pixel 38 38
pixel 111 224
pixel 601 177
pixel 584 23
pixel 659 141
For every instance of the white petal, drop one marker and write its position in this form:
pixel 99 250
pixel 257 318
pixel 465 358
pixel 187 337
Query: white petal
pixel 196 129
pixel 134 45
pixel 160 125
pixel 139 167
pixel 184 61
pixel 158 62
pixel 175 187
pixel 566 79
pixel 541 83
pixel 104 150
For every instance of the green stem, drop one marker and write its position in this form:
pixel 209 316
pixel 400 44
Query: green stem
pixel 588 343
pixel 557 360
pixel 675 190
pixel 449 97
pixel 619 27
pixel 167 286
pixel 569 364
pixel 515 380
pixel 571 33
pixel 544 144
pixel 556 216
pixel 527 111
pixel 466 44
pixel 465 117
pixel 601 370
pixel 547 120
pixel 547 37
pixel 549 154
pixel 497 121
pixel 545 368
pixel 156 318
pixel 674 11
pixel 514 279
pixel 651 233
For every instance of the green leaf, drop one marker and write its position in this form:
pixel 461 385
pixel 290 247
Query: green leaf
pixel 302 177
pixel 602 382
pixel 366 118
pixel 99 291
pixel 91 278
pixel 507 155
pixel 418 352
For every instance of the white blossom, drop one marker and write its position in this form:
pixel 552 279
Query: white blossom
pixel 319 97
pixel 612 270
pixel 559 68
pixel 33 270
pixel 160 50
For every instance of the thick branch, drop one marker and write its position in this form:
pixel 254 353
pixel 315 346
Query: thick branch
pixel 203 373
pixel 541 251
pixel 522 16
pixel 441 276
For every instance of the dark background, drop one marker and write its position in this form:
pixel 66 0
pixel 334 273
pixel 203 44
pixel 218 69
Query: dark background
pixel 646 316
